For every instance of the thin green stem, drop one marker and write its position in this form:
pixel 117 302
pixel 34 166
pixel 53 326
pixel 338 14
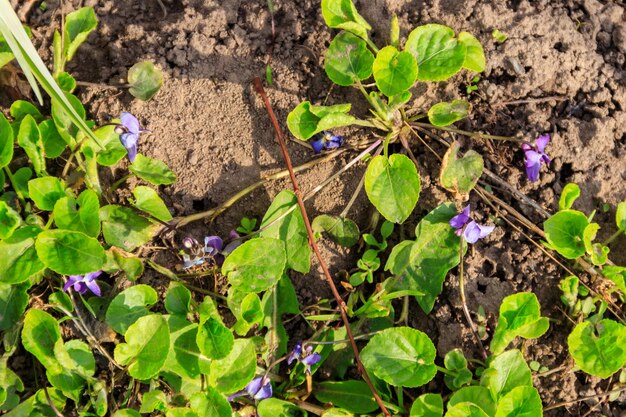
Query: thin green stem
pixel 400 394
pixel 336 342
pixel 20 196
pixel 371 44
pixel 68 164
pixel 119 182
pixel 404 315
pixel 472 135
pixel 366 95
pixel 49 223
pixel 445 371
pixel 614 236
pixel 466 312
pixel 386 144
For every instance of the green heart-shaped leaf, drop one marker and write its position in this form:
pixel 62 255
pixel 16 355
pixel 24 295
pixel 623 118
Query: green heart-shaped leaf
pixel 599 350
pixel 70 253
pixel 393 186
pixel 401 356
pixel 394 71
pixel 348 59
pixel 257 265
pixel 146 347
pixel 439 55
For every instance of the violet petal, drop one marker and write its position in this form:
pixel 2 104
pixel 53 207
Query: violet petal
pixel 541 142
pixel 254 386
pixel 334 142
pixel 532 171
pixel 295 353
pixel 265 392
pixel 80 287
pixel 231 247
pixel 317 145
pixel 312 359
pixel 130 122
pixel 471 232
pixel 129 141
pixel 212 245
pixel 92 275
pixel 237 394
pixel 474 231
pixel 460 219
pixel 93 286
pixel 71 280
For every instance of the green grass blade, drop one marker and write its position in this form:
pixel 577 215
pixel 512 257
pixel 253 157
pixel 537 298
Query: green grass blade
pixel 34 68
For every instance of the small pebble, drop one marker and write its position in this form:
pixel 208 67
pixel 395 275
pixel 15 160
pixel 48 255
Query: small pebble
pixel 192 157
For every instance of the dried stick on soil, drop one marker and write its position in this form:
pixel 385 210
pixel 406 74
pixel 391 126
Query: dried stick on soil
pixel 341 304
pixel 591 397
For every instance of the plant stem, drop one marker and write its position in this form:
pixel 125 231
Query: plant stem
pixel 371 44
pixel 468 317
pixel 119 182
pixel 614 236
pixel 472 135
pixel 386 144
pixel 214 212
pixel 171 275
pixel 20 196
pixel 336 342
pixel 445 371
pixel 341 303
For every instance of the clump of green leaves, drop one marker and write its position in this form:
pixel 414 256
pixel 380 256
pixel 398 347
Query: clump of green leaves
pixel 432 52
pixel 596 342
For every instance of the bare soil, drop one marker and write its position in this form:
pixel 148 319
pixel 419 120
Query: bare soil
pixel 561 71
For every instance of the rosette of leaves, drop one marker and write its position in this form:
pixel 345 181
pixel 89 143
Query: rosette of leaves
pixel 431 53
pixel 571 233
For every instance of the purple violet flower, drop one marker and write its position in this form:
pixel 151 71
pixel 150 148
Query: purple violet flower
pixel 326 140
pixel 535 155
pixel 129 131
pixel 259 388
pixel 470 230
pixel 212 252
pixel 308 359
pixel 82 283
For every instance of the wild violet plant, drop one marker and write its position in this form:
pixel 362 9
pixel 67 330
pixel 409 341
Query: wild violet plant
pixel 431 53
pixel 596 343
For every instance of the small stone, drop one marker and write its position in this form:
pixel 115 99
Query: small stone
pixel 619 38
pixel 192 157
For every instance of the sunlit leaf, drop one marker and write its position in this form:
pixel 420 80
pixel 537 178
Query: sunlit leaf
pixel 401 356
pixel 146 347
pixel 348 59
pixel 393 186
pixel 69 253
pixel 256 265
pixel 145 80
pixel 600 349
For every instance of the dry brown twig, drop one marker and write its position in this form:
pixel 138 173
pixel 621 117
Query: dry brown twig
pixel 341 304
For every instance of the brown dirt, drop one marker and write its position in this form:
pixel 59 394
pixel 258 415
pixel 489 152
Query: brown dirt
pixel 212 129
